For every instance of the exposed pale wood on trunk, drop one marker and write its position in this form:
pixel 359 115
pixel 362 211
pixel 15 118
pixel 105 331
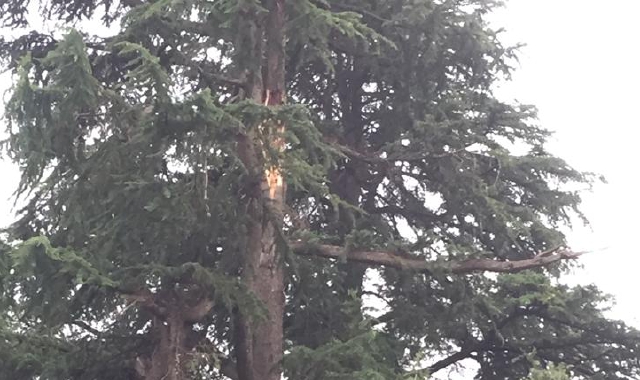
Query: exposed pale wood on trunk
pixel 258 343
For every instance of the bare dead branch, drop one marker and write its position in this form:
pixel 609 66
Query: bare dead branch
pixel 394 260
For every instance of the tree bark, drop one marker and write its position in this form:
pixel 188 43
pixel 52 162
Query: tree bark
pixel 172 320
pixel 259 348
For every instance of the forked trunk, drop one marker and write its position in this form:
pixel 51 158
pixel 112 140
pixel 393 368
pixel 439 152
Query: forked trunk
pixel 172 326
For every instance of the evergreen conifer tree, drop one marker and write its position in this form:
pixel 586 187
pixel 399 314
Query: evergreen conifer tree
pixel 208 190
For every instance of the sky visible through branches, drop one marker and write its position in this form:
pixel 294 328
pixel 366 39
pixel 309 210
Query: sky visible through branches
pixel 573 69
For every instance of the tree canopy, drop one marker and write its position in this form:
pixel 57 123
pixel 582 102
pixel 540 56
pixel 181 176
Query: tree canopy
pixel 320 189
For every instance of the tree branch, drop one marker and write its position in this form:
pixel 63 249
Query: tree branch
pixel 454 358
pixel 377 157
pixel 146 299
pixel 85 326
pixel 394 260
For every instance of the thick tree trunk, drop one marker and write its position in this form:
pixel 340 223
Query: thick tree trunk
pixel 259 348
pixel 169 358
pixel 172 326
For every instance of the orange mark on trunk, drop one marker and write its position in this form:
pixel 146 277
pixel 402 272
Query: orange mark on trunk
pixel 275 182
pixel 273 175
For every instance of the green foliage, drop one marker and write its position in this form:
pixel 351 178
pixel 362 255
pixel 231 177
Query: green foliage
pixel 39 250
pixel 362 354
pixel 132 180
pixel 355 358
pixel 552 373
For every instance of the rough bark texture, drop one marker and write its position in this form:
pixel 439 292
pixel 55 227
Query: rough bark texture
pixel 172 325
pixel 347 182
pixel 259 347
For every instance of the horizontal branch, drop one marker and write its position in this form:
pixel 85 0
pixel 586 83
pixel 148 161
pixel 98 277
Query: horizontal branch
pixel 393 260
pixel 149 300
pixel 450 360
pixel 378 157
pixel 85 326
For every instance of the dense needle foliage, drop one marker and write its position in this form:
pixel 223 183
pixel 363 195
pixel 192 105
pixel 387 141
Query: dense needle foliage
pixel 135 190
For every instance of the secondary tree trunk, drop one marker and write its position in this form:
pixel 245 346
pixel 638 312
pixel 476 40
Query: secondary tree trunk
pixel 173 319
pixel 259 347
pixel 170 355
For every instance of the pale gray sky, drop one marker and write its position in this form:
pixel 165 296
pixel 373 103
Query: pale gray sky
pixel 580 68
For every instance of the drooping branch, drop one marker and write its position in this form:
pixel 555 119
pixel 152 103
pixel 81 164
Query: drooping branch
pixel 584 335
pixel 393 260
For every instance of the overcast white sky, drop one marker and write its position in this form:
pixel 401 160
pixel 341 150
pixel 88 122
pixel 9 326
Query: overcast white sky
pixel 580 67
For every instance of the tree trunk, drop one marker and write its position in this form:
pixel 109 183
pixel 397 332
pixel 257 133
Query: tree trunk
pixel 259 349
pixel 169 358
pixel 175 338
